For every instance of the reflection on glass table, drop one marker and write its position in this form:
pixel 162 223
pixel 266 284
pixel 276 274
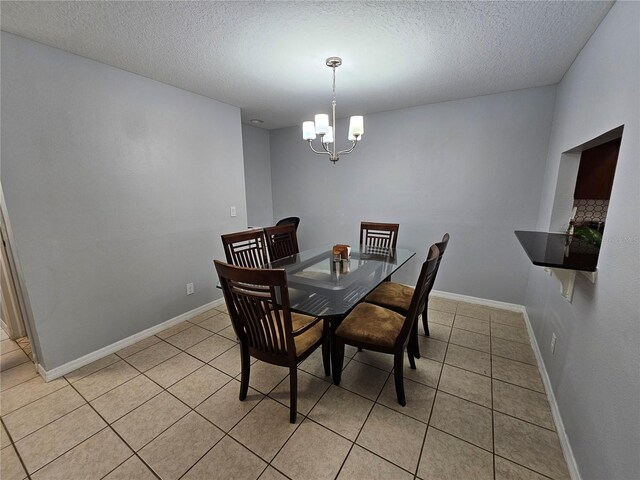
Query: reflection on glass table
pixel 320 286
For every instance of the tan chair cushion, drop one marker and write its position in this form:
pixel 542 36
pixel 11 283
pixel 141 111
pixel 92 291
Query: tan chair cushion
pixel 392 295
pixel 371 324
pixel 307 339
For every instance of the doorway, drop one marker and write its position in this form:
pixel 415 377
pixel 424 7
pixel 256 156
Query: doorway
pixel 16 347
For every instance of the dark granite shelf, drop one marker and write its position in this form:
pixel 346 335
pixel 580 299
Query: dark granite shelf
pixel 558 250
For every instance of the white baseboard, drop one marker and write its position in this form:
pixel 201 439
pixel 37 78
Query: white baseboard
pixel 574 472
pixel 479 301
pixel 69 367
pixel 555 411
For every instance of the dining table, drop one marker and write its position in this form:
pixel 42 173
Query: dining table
pixel 322 286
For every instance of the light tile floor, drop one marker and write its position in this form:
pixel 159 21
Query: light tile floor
pixel 168 408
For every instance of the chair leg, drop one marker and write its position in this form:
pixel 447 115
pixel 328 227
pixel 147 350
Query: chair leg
pixel 326 355
pixel 245 360
pixel 293 393
pixel 414 340
pixel 425 323
pixel 337 359
pixel 359 349
pixel 425 319
pixel 397 374
pixel 411 355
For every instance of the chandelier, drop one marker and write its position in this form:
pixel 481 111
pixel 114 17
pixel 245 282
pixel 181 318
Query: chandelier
pixel 322 128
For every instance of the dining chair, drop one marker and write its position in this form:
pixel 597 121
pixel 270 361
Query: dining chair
pixel 267 329
pixel 397 297
pixel 376 328
pixel 289 220
pixel 281 241
pixel 246 249
pixel 383 235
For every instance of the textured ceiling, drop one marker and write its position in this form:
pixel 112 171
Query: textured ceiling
pixel 268 57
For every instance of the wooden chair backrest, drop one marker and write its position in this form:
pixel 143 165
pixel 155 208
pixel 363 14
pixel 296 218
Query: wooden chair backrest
pixel 442 246
pixel 246 249
pixel 423 286
pixel 282 241
pixel 251 296
pixel 379 234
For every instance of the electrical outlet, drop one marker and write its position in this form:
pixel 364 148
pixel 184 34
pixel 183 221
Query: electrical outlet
pixel 190 289
pixel 554 339
pixel 233 212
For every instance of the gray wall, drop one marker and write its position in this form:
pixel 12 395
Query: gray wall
pixel 257 176
pixel 596 367
pixel 438 168
pixel 118 188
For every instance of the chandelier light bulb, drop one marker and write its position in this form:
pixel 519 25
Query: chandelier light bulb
pixel 308 131
pixel 356 125
pixel 328 137
pixel 322 123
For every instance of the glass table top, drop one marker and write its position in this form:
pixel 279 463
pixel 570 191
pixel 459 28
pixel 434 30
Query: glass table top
pixel 319 286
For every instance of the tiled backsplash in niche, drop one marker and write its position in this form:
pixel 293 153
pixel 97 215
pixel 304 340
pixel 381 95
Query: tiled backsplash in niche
pixel 591 210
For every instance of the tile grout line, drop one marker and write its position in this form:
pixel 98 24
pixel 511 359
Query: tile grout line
pixel 77 445
pixel 162 390
pixel 154 366
pixel 216 443
pixel 525 388
pixel 525 421
pixel 140 372
pixel 297 424
pixel 110 426
pixel 375 402
pixel 231 378
pixel 492 410
pixel 227 434
pixel 306 417
pixel 212 393
pixel 528 469
pixel 493 437
pixel 25 360
pixel 424 440
pixel 15 449
pixel 174 423
pixel 118 466
pixel 489 376
pixel 353 443
pixel 513 359
pixel 52 421
pixel 21 383
pixel 169 426
pixel 471 401
pixel 66 451
pixel 493 422
pixel 461 439
pixel 33 401
pixel 118 359
pixel 268 395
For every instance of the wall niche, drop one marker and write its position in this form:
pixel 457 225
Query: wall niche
pixel 594 183
pixel 585 182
